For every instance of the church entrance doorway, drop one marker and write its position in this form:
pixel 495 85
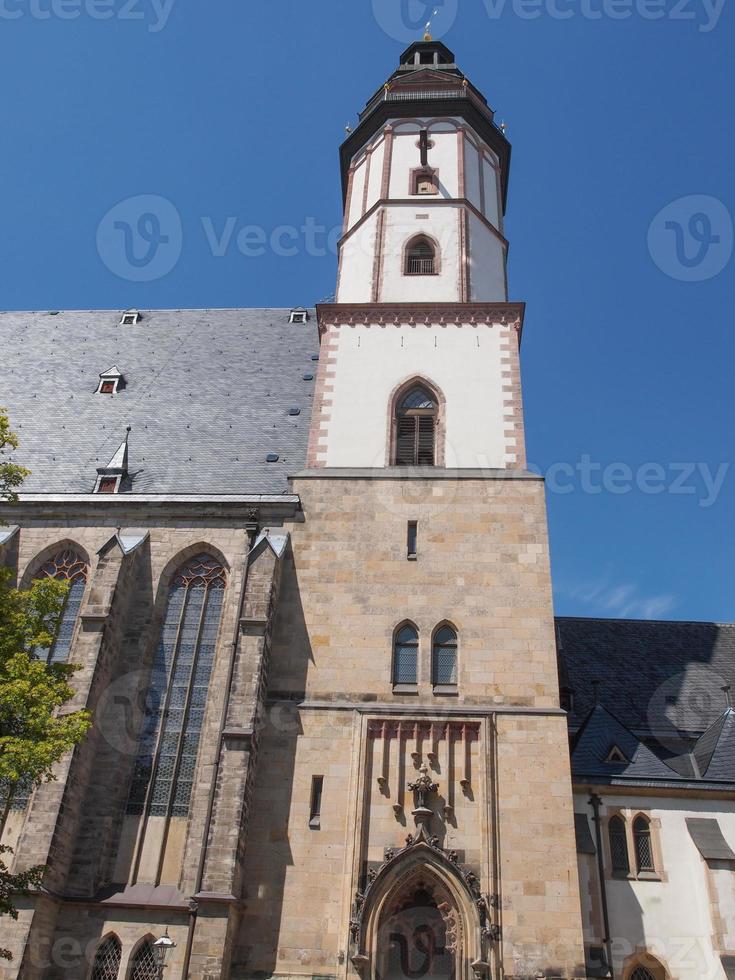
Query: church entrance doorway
pixel 418 935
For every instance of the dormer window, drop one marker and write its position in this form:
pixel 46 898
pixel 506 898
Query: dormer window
pixel 616 754
pixel 129 318
pixel 108 484
pixel 111 381
pixel 298 316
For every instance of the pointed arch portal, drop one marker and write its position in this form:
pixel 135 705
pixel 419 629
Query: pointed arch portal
pixel 421 916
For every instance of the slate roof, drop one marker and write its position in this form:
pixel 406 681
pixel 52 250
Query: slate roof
pixel 207 393
pixel 660 700
pixel 600 733
pixel 715 750
pixel 655 676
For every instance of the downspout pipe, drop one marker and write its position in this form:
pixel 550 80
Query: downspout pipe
pixel 252 530
pixel 595 803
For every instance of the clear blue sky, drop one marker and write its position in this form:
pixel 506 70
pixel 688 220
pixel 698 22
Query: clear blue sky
pixel 235 109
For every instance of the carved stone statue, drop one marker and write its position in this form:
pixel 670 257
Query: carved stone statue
pixel 422 788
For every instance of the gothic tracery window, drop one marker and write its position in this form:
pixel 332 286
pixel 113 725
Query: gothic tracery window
pixel 66 566
pixel 420 257
pixel 107 959
pixel 444 657
pixel 143 966
pixel 415 428
pixel 177 697
pixel 618 845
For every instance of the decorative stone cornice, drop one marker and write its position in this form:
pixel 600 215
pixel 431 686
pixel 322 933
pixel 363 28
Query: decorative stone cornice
pixel 414 314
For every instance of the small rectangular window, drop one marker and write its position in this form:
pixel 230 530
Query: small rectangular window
pixel 107 388
pixel 412 540
pixel 315 807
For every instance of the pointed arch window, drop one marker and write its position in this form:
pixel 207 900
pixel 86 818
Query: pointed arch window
pixel 641 973
pixel 421 257
pixel 405 656
pixel 107 959
pixel 415 428
pixel 66 566
pixel 618 845
pixel 643 845
pixel 144 966
pixel 177 697
pixel 444 658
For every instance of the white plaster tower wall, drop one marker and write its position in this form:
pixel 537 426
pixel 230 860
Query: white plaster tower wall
pixel 463 218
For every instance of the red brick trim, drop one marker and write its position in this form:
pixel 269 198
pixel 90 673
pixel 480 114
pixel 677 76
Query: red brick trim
pixel 316 451
pixel 378 254
pixel 515 438
pixel 461 181
pixel 366 188
pixel 387 162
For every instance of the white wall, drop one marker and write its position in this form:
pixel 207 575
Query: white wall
pixel 673 917
pixel 401 225
pixel 355 279
pixel 487 264
pixel 371 361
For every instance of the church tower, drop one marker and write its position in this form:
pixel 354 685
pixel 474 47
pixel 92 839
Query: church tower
pixel 412 809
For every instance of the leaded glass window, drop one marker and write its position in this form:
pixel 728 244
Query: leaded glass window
pixel 167 753
pixel 107 959
pixel 444 657
pixel 405 655
pixel 618 845
pixel 143 966
pixel 66 566
pixel 643 847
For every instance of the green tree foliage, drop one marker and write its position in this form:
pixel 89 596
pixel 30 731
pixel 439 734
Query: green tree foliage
pixel 35 732
pixel 11 475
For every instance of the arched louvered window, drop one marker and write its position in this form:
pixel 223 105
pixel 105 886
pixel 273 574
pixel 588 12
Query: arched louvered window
pixel 643 845
pixel 143 965
pixel 618 845
pixel 405 655
pixel 107 959
pixel 415 428
pixel 444 658
pixel 421 259
pixel 67 566
pixel 167 753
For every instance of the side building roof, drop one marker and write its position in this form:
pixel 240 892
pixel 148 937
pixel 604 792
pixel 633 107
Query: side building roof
pixel 209 395
pixel 655 676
